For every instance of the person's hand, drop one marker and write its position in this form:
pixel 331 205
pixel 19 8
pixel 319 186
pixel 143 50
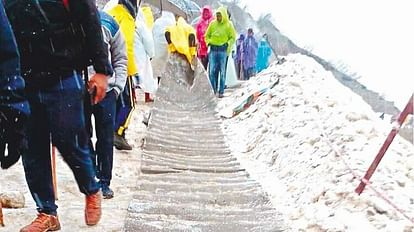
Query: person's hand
pixel 12 134
pixel 97 86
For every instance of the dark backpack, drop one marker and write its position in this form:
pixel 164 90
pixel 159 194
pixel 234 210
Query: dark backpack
pixel 48 36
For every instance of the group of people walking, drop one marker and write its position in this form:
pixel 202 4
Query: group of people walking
pixel 63 61
pixel 218 44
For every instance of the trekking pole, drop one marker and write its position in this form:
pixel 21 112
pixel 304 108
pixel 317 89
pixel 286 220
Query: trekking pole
pixel 401 118
pixel 54 179
pixel 1 214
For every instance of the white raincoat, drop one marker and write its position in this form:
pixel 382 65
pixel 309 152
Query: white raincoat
pixel 144 50
pixel 231 75
pixel 161 53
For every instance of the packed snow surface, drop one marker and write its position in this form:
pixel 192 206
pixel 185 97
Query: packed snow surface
pixel 287 138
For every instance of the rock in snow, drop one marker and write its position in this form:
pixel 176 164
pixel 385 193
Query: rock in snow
pixel 285 141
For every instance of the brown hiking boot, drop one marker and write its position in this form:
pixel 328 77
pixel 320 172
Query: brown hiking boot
pixel 43 223
pixel 93 209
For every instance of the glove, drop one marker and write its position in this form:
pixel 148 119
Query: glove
pixel 97 86
pixel 12 133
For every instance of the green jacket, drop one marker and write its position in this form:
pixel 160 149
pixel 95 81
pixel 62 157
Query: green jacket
pixel 219 33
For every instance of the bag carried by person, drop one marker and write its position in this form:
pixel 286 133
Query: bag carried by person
pixel 47 34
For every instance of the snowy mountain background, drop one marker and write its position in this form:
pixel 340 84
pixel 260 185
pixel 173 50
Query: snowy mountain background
pixel 370 41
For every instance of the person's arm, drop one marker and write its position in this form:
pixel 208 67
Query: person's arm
pixel 14 109
pixel 11 83
pixel 199 35
pixel 207 37
pixel 86 14
pixel 148 41
pixel 119 61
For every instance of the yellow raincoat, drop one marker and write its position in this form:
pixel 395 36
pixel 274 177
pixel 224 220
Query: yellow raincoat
pixel 127 24
pixel 179 38
pixel 148 16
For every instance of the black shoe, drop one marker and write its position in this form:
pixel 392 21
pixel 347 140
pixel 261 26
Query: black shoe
pixel 107 192
pixel 121 143
pixel 146 118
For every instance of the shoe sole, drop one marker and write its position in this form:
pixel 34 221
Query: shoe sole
pixel 108 197
pixel 54 229
pixel 123 149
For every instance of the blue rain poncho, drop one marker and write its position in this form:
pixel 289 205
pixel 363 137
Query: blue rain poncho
pixel 263 54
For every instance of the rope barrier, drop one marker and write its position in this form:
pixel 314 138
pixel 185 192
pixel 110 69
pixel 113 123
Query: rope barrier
pixel 339 154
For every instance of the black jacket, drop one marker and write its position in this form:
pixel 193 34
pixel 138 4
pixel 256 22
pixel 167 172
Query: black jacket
pixel 58 38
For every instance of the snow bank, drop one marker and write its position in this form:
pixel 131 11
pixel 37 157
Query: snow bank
pixel 279 141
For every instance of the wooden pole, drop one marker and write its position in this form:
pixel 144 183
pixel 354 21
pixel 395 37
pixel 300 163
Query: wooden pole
pixel 1 214
pixel 53 164
pixel 403 115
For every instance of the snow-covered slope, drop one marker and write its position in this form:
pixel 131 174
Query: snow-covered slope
pixel 284 140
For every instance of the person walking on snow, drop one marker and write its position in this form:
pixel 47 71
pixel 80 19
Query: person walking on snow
pixel 239 57
pixel 14 108
pixel 104 112
pixel 160 44
pixel 56 40
pixel 201 28
pixel 220 37
pixel 249 55
pixel 263 54
pixel 124 14
pixel 144 52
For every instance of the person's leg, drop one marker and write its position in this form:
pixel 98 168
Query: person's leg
pixel 148 97
pixel 237 65
pixel 222 60
pixel 89 110
pixel 125 107
pixel 36 161
pixel 213 70
pixel 204 61
pixel 66 113
pixel 246 74
pixel 252 71
pixel 104 124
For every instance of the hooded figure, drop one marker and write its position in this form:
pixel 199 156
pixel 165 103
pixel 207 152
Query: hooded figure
pixel 180 35
pixel 160 44
pixel 201 28
pixel 238 57
pixel 231 75
pixel 220 37
pixel 263 54
pixel 144 51
pixel 249 55
pixel 124 14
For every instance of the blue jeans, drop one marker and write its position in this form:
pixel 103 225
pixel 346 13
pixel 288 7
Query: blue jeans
pixel 217 70
pixel 102 156
pixel 57 113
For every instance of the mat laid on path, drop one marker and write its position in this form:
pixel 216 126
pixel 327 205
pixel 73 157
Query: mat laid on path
pixel 189 179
